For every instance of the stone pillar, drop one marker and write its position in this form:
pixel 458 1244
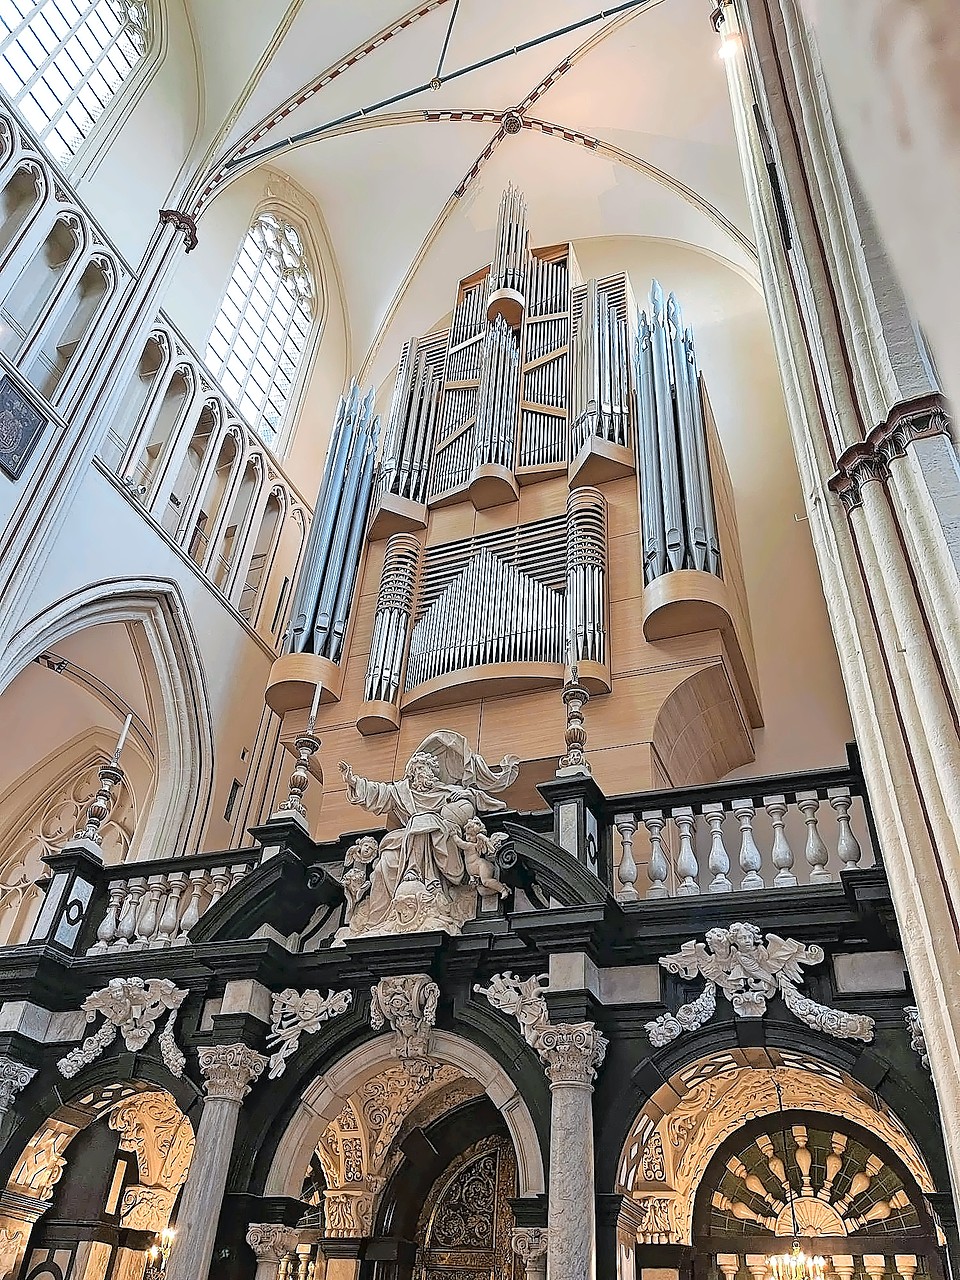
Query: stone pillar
pixel 271 1243
pixel 855 401
pixel 530 1244
pixel 571 1054
pixel 229 1071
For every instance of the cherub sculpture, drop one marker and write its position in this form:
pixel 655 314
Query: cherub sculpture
pixel 479 854
pixel 357 864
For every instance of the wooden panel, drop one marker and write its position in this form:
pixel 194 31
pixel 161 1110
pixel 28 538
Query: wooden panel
pixel 549 498
pixel 623 510
pixel 447 524
pixel 625 572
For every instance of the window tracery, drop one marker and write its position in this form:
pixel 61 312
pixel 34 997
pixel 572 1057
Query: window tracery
pixel 62 62
pixel 259 338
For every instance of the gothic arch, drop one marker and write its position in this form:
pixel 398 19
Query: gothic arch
pixel 173 674
pixel 326 1096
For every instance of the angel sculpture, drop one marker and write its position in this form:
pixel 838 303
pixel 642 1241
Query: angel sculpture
pixel 479 857
pixel 357 864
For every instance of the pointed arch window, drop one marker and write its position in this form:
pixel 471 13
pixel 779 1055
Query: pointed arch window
pixel 62 62
pixel 260 335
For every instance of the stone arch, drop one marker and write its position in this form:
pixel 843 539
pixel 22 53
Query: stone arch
pixel 699 1106
pixel 173 673
pixel 326 1096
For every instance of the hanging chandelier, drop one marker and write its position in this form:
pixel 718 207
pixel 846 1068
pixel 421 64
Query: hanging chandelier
pixel 795 1265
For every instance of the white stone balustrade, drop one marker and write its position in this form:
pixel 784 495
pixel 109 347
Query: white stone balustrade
pixel 147 910
pixel 719 842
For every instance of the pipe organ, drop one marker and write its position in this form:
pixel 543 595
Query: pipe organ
pixel 550 490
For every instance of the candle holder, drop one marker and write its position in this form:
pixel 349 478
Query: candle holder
pixel 575 697
pixel 100 807
pixel 307 745
pixel 158 1253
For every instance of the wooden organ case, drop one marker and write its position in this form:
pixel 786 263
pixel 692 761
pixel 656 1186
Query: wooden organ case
pixel 548 489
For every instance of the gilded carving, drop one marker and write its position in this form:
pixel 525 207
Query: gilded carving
pixel 153 1127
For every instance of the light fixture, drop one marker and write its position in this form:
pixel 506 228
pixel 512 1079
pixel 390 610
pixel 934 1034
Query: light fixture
pixel 730 45
pixel 158 1253
pixel 795 1265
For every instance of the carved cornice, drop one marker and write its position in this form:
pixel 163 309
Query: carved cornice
pixel 918 1041
pixel 14 1076
pixel 861 463
pixel 230 1070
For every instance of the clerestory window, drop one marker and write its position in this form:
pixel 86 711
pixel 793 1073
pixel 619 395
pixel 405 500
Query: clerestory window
pixel 63 61
pixel 260 335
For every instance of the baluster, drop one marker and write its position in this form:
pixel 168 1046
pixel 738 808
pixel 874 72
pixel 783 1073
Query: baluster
pixel 657 867
pixel 808 802
pixel 304 1251
pixel 687 868
pixel 237 872
pixel 107 933
pixel 176 883
pixel 719 861
pixel 875 1265
pixel 220 883
pixel 843 1265
pixel 150 915
pixel 127 927
pixel 729 1265
pixel 781 853
pixel 198 883
pixel 848 847
pixel 750 859
pixel 626 824
pixel 906 1264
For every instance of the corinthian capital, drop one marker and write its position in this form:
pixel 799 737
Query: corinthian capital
pixel 571 1052
pixel 230 1069
pixel 14 1076
pixel 272 1242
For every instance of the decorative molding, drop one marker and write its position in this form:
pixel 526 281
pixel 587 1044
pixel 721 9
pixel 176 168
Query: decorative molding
pixel 293 1015
pixel 131 1006
pixel 183 222
pixel 918 1041
pixel 153 1127
pixel 14 1076
pixel 749 972
pixel 272 1242
pixel 571 1052
pixel 409 1004
pixel 230 1070
pixel 870 460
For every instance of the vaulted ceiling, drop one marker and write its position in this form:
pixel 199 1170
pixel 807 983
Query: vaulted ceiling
pixel 623 128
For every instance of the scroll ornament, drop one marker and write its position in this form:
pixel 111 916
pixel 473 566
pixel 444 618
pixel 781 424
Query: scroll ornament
pixel 571 1052
pixel 133 1007
pixel 14 1076
pixel 294 1015
pixel 749 972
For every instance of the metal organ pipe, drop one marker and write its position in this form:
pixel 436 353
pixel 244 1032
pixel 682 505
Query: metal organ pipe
pixel 586 576
pixel 508 268
pixel 325 587
pixel 495 434
pixel 391 621
pixel 678 518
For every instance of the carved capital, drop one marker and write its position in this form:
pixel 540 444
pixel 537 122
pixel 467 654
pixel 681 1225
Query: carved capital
pixel 272 1242
pixel 407 1003
pixel 230 1070
pixel 14 1076
pixel 530 1243
pixel 870 460
pixel 184 223
pixel 571 1052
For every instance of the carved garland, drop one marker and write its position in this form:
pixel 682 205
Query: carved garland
pixel 131 1006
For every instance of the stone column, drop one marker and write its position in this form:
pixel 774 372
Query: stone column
pixel 571 1055
pixel 229 1071
pixel 271 1243
pixel 530 1244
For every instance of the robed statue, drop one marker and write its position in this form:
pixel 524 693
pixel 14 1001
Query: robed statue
pixel 428 871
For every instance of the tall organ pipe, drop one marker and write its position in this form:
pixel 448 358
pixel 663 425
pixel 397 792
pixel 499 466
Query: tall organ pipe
pixel 678 518
pixel 391 622
pixel 324 591
pixel 586 576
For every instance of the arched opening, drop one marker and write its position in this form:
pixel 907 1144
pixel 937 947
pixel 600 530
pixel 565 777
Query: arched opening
pixel 37 282
pixel 125 427
pixel 72 326
pixel 203 521
pixel 383 1149
pixel 178 502
pixel 237 521
pixel 96 1186
pixel 261 556
pixel 735 1146
pixel 22 196
pixel 77 670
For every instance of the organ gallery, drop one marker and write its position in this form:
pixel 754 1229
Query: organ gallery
pixel 478 614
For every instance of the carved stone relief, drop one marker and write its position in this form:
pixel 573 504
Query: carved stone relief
pixel 918 1041
pixel 749 971
pixel 153 1127
pixel 271 1242
pixel 429 870
pixel 230 1070
pixel 14 1076
pixel 293 1015
pixel 131 1006
pixel 571 1052
pixel 407 1003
